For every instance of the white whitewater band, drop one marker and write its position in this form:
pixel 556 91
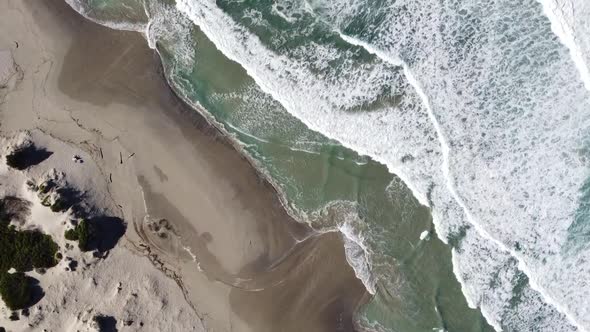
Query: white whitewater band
pixel 221 30
pixel 213 21
pixel 563 15
pixel 450 186
pixel 75 4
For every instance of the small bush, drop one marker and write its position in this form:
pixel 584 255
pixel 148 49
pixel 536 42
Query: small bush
pixel 82 233
pixel 58 206
pixel 45 187
pixel 31 185
pixel 46 201
pixel 16 290
pixel 25 250
pixel 71 235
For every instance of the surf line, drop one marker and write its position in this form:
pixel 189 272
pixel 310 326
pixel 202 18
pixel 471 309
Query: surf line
pixel 209 18
pixel 561 16
pixel 447 173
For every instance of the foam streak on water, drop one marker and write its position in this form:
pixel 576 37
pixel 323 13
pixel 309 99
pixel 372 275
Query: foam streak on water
pixel 491 113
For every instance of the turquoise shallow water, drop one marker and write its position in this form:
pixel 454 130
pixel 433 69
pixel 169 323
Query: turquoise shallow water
pixel 475 105
pixel 416 290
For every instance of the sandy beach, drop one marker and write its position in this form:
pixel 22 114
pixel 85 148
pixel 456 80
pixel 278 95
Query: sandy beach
pixel 193 205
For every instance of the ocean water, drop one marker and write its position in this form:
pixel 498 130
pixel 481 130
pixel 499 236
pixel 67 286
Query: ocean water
pixel 449 141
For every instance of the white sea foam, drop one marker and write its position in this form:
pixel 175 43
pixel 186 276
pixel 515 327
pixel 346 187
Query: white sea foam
pixel 484 114
pixel 503 241
pixel 167 25
pixel 570 21
pixel 163 24
pixel 492 281
pixel 190 252
pixel 424 235
pixel 342 216
pixel 491 116
pixel 82 7
pixel 357 256
pixel 371 326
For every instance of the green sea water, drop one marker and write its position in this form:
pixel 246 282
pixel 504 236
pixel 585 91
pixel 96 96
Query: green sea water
pixel 479 106
pixel 415 289
pixel 323 182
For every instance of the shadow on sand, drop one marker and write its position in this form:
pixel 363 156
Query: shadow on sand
pixel 26 157
pixel 106 323
pixel 37 292
pixel 107 232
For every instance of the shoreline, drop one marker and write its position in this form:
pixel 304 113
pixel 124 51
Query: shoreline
pixel 221 133
pixel 95 99
pixel 268 180
pixel 226 137
pixel 206 122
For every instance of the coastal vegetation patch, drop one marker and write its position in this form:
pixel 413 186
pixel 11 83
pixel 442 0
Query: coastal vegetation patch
pixel 16 290
pixel 22 251
pixel 83 233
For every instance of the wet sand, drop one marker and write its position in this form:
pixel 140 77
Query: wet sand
pixel 249 266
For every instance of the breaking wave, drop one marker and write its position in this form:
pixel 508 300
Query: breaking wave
pixel 494 88
pixel 482 108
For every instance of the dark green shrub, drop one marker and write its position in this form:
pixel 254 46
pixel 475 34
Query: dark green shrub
pixel 25 250
pixel 82 233
pixel 35 249
pixel 45 187
pixel 71 235
pixel 4 217
pixel 46 201
pixel 58 206
pixel 16 290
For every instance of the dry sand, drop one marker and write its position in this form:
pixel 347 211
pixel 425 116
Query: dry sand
pixel 212 224
pixel 127 290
